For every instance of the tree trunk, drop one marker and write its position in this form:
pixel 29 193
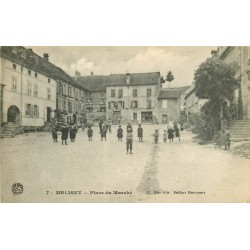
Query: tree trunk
pixel 221 118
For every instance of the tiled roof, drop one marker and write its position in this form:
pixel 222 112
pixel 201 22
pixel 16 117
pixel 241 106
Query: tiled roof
pixel 172 93
pixel 37 63
pixel 94 83
pixel 99 83
pixel 189 91
pixel 151 78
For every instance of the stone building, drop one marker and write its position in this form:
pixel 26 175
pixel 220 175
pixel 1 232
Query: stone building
pixel 241 57
pixel 28 91
pixel 35 90
pixel 133 97
pixel 192 104
pixel 95 95
pixel 169 104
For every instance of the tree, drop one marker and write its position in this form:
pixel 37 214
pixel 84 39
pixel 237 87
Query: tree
pixel 169 77
pixel 216 82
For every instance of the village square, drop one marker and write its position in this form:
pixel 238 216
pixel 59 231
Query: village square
pixel 124 137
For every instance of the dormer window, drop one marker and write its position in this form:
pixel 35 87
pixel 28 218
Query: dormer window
pixel 14 66
pixel 23 55
pixel 14 50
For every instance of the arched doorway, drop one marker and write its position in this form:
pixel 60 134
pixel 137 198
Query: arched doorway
pixel 13 114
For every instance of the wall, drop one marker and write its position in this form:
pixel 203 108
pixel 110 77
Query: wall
pixel 127 98
pixel 172 110
pixel 21 97
pixel 241 56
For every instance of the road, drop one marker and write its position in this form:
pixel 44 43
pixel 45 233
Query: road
pixel 101 171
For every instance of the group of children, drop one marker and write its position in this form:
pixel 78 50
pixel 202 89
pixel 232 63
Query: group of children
pixel 104 127
pixel 168 134
pixel 65 130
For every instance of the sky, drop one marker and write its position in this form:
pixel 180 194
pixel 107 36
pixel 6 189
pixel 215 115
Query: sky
pixel 181 61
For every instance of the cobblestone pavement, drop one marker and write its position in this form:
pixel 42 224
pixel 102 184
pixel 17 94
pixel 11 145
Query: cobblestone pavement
pixel 101 171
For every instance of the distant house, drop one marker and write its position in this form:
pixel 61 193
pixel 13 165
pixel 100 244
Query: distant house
pixel 95 96
pixel 133 97
pixel 169 104
pixel 192 104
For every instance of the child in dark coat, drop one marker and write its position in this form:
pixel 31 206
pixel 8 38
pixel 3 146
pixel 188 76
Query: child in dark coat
pixel 90 133
pixel 119 133
pixel 104 133
pixel 72 134
pixel 140 133
pixel 65 132
pixel 170 134
pixel 177 131
pixel 54 134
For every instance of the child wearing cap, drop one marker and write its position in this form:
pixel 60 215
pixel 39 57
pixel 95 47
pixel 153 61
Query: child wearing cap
pixel 129 139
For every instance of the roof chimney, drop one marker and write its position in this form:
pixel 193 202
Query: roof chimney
pixel 46 56
pixel 127 78
pixel 214 53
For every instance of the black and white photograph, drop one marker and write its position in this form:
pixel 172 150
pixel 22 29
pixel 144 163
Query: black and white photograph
pixel 133 124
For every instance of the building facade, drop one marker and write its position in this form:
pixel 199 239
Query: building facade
pixel 241 57
pixel 192 104
pixel 169 104
pixel 35 91
pixel 133 97
pixel 95 95
pixel 28 93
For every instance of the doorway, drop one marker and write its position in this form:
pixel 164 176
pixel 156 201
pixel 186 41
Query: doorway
pixel 146 117
pixel 49 114
pixel 13 114
pixel 164 119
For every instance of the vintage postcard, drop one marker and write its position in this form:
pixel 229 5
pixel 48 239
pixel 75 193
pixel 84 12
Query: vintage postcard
pixel 125 124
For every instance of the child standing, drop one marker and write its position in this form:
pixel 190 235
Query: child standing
pixel 140 133
pixel 177 131
pixel 227 139
pixel 129 142
pixel 119 133
pixel 170 134
pixel 156 136
pixel 90 133
pixel 54 134
pixel 65 133
pixel 104 133
pixel 165 135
